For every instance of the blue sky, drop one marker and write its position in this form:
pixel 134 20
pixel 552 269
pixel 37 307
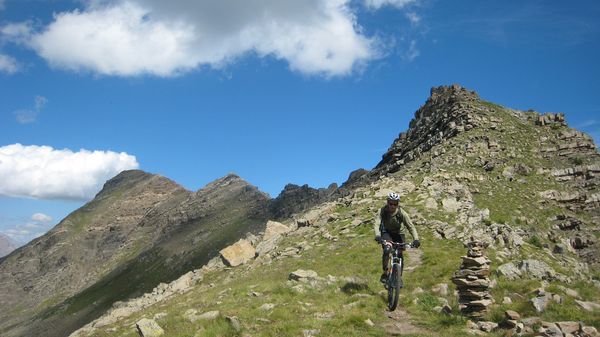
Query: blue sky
pixel 277 92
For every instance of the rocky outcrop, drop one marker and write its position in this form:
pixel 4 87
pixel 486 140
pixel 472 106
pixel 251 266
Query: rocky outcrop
pixel 448 111
pixel 295 199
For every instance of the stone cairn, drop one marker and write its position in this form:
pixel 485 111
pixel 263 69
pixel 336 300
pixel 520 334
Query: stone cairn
pixel 473 283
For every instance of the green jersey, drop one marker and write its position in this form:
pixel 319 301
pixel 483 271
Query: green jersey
pixel 395 223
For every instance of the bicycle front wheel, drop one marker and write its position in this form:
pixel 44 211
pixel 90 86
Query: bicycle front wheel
pixel 393 288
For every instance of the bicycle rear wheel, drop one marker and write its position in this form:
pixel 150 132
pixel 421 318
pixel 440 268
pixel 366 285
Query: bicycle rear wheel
pixel 393 288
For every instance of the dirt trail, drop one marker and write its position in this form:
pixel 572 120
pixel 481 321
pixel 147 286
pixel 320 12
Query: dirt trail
pixel 399 322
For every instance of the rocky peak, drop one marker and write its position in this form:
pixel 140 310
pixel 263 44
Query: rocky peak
pixel 448 111
pixel 225 181
pixel 130 178
pixel 231 183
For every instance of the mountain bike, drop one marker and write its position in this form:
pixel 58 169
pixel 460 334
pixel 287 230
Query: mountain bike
pixel 394 272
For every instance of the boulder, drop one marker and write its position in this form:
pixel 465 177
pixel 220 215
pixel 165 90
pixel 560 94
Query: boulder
pixel 551 330
pixel 450 205
pixel 541 302
pixel 234 322
pixel 589 331
pixel 511 314
pixel 487 326
pixel 303 275
pixel 210 315
pixel 275 229
pixel 238 253
pixel 588 306
pixel 149 328
pixel 569 327
pixel 537 269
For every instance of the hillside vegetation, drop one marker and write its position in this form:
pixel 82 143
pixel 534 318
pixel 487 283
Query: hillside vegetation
pixel 522 184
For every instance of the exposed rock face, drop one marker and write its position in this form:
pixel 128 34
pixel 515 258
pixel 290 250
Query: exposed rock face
pixel 140 226
pixel 6 245
pixel 294 199
pixel 448 111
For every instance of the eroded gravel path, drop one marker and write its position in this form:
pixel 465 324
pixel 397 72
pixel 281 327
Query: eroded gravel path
pixel 399 322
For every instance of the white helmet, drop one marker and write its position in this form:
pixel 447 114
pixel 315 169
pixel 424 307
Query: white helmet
pixel 393 197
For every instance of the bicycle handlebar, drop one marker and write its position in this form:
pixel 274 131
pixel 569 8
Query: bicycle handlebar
pixel 398 244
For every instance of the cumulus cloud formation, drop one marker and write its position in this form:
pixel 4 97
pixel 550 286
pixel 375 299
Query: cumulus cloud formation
pixel 26 116
pixel 41 217
pixel 376 4
pixel 8 64
pixel 412 53
pixel 164 38
pixel 46 173
pixel 29 229
pixel 18 33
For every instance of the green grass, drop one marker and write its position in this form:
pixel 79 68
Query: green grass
pixel 358 298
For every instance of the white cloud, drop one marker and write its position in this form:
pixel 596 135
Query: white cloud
pixel 26 116
pixel 413 17
pixel 46 173
pixel 376 4
pixel 41 217
pixel 124 38
pixel 8 64
pixel 19 33
pixel 412 52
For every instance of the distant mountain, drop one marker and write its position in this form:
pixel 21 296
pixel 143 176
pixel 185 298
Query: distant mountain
pixel 140 230
pixel 7 245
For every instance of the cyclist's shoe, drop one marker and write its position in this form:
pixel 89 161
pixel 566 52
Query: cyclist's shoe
pixel 383 278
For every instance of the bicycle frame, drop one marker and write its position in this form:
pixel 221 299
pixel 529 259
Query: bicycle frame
pixel 396 259
pixel 394 272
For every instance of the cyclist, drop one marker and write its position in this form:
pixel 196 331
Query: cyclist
pixel 392 227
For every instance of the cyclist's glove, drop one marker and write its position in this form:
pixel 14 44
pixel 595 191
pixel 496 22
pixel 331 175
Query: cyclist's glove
pixel 378 238
pixel 416 244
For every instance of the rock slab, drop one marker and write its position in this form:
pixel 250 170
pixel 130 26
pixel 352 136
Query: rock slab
pixel 238 253
pixel 149 328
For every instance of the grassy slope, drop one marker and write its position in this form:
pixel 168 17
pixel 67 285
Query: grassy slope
pixel 359 257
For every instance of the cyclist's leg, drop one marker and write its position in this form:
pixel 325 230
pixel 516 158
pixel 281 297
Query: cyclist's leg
pixel 385 257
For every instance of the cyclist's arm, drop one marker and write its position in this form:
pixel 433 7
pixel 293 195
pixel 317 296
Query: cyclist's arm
pixel 410 225
pixel 379 228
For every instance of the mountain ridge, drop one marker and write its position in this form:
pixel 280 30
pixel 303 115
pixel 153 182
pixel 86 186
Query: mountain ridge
pixel 469 166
